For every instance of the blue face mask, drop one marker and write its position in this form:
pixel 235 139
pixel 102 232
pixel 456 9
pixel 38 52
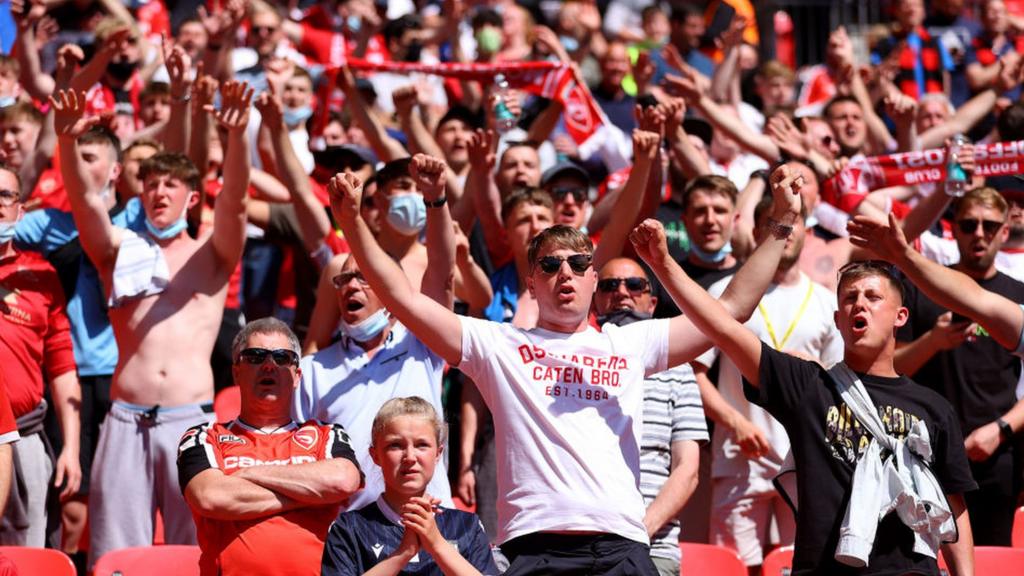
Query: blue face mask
pixel 569 43
pixel 712 257
pixel 7 231
pixel 353 23
pixel 407 214
pixel 367 329
pixel 6 101
pixel 296 116
pixel 811 221
pixel 172 229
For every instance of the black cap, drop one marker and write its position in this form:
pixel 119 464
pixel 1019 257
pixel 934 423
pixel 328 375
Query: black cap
pixel 699 128
pixel 464 114
pixel 564 168
pixel 338 158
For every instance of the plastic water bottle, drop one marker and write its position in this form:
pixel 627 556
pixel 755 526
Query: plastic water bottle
pixel 956 177
pixel 505 120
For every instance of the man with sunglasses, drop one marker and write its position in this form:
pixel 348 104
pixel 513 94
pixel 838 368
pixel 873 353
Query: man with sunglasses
pixel 674 421
pixel 961 361
pixel 263 480
pixel 566 399
pixel 377 357
pixel 569 187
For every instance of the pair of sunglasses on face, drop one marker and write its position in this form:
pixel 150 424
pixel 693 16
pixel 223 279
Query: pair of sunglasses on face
pixel 280 356
pixel 577 262
pixel 342 280
pixel 579 194
pixel 633 284
pixel 970 226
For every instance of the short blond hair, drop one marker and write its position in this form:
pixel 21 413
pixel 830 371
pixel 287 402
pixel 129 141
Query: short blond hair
pixel 408 406
pixel 984 196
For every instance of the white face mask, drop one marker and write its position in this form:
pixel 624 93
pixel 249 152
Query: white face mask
pixel 369 328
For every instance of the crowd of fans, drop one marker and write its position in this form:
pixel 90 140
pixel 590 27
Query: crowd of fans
pixel 459 253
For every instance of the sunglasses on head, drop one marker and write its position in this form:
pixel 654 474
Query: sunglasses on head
pixel 342 280
pixel 579 194
pixel 577 262
pixel 970 226
pixel 633 284
pixel 9 197
pixel 281 356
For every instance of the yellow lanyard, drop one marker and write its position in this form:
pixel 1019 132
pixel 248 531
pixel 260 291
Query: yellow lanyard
pixel 792 325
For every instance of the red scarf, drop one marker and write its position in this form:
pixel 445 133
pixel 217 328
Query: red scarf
pixel 848 188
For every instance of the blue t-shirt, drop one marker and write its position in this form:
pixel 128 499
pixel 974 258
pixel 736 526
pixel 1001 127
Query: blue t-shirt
pixel 46 231
pixel 358 540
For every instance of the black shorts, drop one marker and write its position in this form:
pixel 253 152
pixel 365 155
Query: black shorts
pixel 583 555
pixel 95 404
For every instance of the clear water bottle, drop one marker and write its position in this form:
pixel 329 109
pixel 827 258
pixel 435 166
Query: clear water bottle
pixel 956 177
pixel 505 120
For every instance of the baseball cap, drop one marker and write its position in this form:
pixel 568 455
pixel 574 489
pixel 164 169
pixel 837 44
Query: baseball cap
pixel 564 168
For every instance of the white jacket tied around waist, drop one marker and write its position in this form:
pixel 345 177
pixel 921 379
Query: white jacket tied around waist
pixel 902 482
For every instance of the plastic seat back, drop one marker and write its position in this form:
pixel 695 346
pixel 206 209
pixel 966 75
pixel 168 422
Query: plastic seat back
pixel 150 561
pixel 39 561
pixel 700 559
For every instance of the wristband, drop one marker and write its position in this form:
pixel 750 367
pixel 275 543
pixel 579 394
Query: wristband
pixel 436 203
pixel 1005 430
pixel 779 230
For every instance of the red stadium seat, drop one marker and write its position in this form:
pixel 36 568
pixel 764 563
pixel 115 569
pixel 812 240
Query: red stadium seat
pixel 227 404
pixel 777 560
pixel 700 559
pixel 39 561
pixel 150 561
pixel 1018 528
pixel 993 560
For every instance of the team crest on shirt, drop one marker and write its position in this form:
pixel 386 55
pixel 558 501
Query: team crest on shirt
pixel 230 439
pixel 306 437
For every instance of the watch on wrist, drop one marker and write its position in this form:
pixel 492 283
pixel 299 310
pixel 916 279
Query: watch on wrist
pixel 779 230
pixel 1005 430
pixel 436 203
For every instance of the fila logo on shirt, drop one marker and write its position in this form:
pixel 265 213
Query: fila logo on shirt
pixel 306 437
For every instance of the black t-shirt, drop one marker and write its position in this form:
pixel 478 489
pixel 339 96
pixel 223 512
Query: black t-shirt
pixel 704 277
pixel 978 378
pixel 826 440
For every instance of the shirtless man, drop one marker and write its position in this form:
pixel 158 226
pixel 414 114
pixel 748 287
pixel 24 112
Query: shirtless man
pixel 165 321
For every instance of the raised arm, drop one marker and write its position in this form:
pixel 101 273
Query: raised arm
pixel 229 214
pixel 26 14
pixel 979 106
pixel 436 326
pixel 953 290
pixel 421 141
pixel 386 147
pixel 100 239
pixel 439 277
pixel 627 205
pixel 179 68
pixel 314 225
pixel 482 199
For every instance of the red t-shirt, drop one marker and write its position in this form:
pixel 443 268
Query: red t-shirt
pixel 231 547
pixel 8 427
pixel 35 335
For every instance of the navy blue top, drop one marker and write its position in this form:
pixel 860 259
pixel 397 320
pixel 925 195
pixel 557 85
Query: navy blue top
pixel 359 539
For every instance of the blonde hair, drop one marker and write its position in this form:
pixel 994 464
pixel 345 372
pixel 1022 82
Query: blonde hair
pixel 409 406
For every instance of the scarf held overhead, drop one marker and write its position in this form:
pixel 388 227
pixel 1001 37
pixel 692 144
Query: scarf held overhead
pixel 552 80
pixel 848 188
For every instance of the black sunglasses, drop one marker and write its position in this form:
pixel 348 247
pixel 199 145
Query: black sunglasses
pixel 342 280
pixel 281 356
pixel 577 262
pixel 633 284
pixel 970 226
pixel 579 194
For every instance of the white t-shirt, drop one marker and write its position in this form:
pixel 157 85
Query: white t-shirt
pixel 738 171
pixel 814 334
pixel 341 385
pixel 1011 263
pixel 568 418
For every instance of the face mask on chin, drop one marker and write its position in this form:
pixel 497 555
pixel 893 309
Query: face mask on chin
pixel 622 317
pixel 122 71
pixel 712 257
pixel 171 230
pixel 369 328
